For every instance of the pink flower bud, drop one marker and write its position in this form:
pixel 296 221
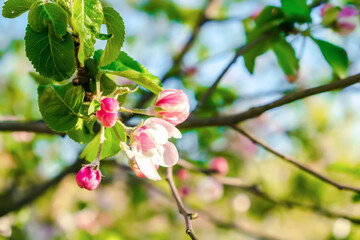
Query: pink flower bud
pixel 107 115
pixel 325 7
pixel 183 174
pixel 174 106
pixel 347 20
pixel 184 191
pixel 88 178
pixel 220 165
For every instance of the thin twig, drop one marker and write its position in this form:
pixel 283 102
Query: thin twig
pixel 240 51
pixel 188 216
pixel 32 126
pixel 294 162
pixel 253 112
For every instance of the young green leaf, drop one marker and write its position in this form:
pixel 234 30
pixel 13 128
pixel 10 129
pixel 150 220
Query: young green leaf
pixel 286 56
pixel 40 79
pixel 42 14
pixel 127 67
pixel 111 145
pixel 14 8
pixel 115 26
pixel 81 133
pixel 296 10
pixel 50 56
pixel 87 17
pixel 335 56
pixel 66 5
pixel 60 105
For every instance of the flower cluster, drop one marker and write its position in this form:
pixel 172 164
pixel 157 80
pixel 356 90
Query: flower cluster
pixel 342 20
pixel 148 145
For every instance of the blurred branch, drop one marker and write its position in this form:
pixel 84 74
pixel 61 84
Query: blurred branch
pixel 253 112
pixel 178 58
pixel 188 216
pixel 294 162
pixel 32 126
pixel 14 203
pixel 240 51
pixel 255 190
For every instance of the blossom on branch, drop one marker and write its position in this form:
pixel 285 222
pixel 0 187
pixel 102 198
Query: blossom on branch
pixel 108 113
pixel 173 106
pixel 347 20
pixel 88 177
pixel 150 147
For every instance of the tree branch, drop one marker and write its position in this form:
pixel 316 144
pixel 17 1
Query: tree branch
pixel 13 204
pixel 240 51
pixel 253 112
pixel 188 216
pixel 294 162
pixel 32 126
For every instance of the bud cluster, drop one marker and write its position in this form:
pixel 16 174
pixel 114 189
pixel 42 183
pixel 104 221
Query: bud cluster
pixel 147 146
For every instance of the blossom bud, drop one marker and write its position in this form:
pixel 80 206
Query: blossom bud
pixel 183 174
pixel 88 178
pixel 220 165
pixel 347 20
pixel 173 106
pixel 324 8
pixel 107 115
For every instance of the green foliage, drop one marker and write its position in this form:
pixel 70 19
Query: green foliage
pixel 60 105
pixel 50 56
pixel 14 8
pixel 268 15
pixel 40 79
pixel 82 132
pixel 43 14
pixel 335 56
pixel 115 26
pixel 286 56
pixel 296 10
pixel 127 67
pixel 87 18
pixel 111 146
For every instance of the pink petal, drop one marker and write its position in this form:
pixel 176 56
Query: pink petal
pixel 169 156
pixel 109 105
pixel 146 142
pixel 172 131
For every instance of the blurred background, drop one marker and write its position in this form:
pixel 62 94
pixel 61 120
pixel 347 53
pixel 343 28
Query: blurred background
pixel 321 131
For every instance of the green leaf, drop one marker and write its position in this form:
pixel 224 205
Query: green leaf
pixel 115 26
pixel 268 14
pixel 66 5
pixel 42 14
pixel 14 8
pixel 111 145
pixel 87 17
pixel 356 197
pixel 40 79
pixel 127 67
pixel 286 56
pixel 81 133
pixel 296 10
pixel 103 36
pixel 94 106
pixel 335 56
pixel 60 105
pixel 50 56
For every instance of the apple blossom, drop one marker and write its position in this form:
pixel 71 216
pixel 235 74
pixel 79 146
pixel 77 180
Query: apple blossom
pixel 107 115
pixel 88 177
pixel 347 20
pixel 150 147
pixel 220 165
pixel 172 105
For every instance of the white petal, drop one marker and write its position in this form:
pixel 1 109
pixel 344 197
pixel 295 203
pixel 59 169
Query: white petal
pixel 172 131
pixel 146 166
pixel 168 155
pixel 157 132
